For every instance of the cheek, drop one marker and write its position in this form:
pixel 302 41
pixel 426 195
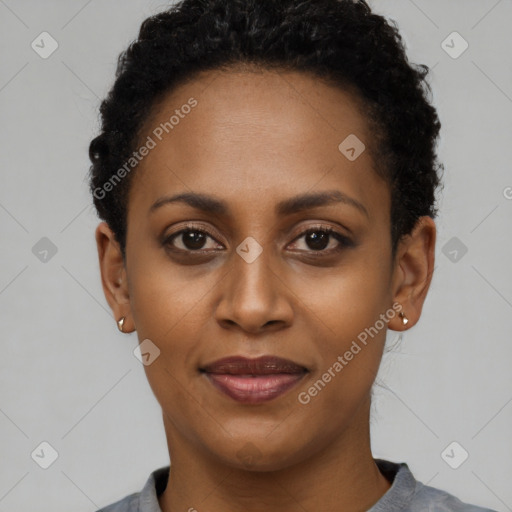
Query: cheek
pixel 163 301
pixel 171 312
pixel 347 300
pixel 349 334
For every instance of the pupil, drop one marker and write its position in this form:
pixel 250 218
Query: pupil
pixel 193 239
pixel 318 242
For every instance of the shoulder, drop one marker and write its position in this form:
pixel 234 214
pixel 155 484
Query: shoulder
pixel 409 495
pixel 145 500
pixel 127 504
pixel 431 499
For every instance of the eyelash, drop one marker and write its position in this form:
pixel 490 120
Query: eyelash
pixel 344 241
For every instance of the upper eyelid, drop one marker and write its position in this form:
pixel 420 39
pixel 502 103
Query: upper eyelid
pixel 176 234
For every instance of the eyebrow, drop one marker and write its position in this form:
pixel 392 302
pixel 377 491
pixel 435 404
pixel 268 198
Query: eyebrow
pixel 212 205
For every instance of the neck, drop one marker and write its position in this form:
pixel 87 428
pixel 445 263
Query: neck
pixel 342 476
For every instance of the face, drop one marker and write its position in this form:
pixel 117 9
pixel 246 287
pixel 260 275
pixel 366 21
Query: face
pixel 286 253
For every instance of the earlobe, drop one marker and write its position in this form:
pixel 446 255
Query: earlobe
pixel 414 267
pixel 113 274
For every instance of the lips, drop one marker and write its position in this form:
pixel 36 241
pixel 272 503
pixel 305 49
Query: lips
pixel 264 365
pixel 254 380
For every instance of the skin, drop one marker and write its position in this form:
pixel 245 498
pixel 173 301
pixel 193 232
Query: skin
pixel 253 140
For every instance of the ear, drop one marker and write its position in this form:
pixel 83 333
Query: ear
pixel 113 275
pixel 413 269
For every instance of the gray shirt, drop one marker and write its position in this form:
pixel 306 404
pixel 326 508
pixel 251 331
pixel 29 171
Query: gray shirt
pixel 406 494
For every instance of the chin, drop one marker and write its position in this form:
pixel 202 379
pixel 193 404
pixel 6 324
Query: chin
pixel 259 456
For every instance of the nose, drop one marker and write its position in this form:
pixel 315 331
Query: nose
pixel 255 297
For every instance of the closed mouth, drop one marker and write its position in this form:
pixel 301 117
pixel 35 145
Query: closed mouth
pixel 253 381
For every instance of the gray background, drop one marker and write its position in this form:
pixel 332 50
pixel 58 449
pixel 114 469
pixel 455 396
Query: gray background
pixel 68 377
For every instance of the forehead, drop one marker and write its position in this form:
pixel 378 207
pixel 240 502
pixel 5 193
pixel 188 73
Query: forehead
pixel 249 135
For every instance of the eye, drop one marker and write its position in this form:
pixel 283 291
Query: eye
pixel 191 239
pixel 318 239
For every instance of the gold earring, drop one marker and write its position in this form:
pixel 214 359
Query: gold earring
pixel 120 324
pixel 405 320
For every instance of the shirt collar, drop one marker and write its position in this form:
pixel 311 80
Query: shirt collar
pixel 402 489
pixel 397 496
pixel 155 485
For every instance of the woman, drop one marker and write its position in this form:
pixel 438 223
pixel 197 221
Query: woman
pixel 266 175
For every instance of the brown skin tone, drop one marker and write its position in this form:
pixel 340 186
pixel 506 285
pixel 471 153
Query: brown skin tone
pixel 253 140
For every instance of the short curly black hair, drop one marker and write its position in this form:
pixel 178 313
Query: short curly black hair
pixel 339 41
